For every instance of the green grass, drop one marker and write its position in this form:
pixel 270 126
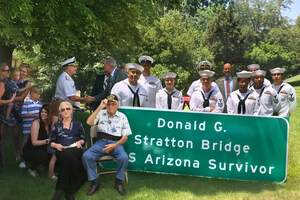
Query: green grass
pixel 15 183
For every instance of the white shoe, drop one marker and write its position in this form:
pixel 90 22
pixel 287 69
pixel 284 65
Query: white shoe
pixel 32 173
pixel 22 165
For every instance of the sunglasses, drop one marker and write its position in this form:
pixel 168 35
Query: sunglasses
pixel 136 72
pixel 64 109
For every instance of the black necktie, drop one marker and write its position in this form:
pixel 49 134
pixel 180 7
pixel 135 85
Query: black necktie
pixel 242 105
pixel 206 101
pixel 135 96
pixel 262 90
pixel 169 99
pixel 280 89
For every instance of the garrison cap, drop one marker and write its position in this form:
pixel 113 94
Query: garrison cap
pixel 253 66
pixel 203 65
pixel 259 73
pixel 146 60
pixel 277 70
pixel 206 73
pixel 134 66
pixel 112 97
pixel 169 75
pixel 244 74
pixel 70 61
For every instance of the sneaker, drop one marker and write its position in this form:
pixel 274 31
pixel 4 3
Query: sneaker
pixel 53 177
pixel 32 173
pixel 7 122
pixel 22 165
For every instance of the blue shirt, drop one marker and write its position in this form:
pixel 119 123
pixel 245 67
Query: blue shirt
pixel 230 84
pixel 66 137
pixel 29 107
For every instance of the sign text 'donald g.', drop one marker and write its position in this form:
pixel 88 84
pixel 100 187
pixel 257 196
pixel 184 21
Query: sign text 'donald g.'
pixel 209 145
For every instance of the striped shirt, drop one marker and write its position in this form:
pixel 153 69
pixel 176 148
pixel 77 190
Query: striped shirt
pixel 29 107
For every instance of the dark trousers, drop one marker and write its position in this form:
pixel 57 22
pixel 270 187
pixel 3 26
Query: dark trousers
pixel 36 157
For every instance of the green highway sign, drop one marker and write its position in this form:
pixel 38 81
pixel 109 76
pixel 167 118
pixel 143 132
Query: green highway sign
pixel 208 145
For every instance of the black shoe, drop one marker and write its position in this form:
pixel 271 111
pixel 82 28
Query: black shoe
pixel 58 195
pixel 94 187
pixel 119 187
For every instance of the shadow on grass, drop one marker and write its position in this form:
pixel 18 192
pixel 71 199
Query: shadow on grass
pixel 295 83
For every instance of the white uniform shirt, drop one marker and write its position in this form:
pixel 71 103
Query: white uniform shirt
pixel 125 96
pixel 251 102
pixel 152 84
pixel 215 101
pixel 197 85
pixel 116 125
pixel 65 87
pixel 162 99
pixel 268 101
pixel 287 99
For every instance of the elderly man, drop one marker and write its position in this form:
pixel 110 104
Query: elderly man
pixel 207 99
pixel 104 83
pixel 113 130
pixel 169 97
pixel 151 83
pixel 267 96
pixel 286 93
pixel 197 85
pixel 227 83
pixel 65 86
pixel 254 67
pixel 129 91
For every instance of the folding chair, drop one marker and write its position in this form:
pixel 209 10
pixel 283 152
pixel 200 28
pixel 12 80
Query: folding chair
pixel 105 158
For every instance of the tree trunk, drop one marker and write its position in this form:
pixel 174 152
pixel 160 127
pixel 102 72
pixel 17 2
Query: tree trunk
pixel 6 54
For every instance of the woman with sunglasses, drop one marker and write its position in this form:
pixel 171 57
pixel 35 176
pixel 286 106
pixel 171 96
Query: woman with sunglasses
pixel 68 138
pixel 4 100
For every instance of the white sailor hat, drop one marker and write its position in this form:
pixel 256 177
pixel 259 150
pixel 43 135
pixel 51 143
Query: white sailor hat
pixel 204 65
pixel 259 73
pixel 146 60
pixel 70 61
pixel 169 75
pixel 244 74
pixel 253 66
pixel 277 70
pixel 135 66
pixel 206 73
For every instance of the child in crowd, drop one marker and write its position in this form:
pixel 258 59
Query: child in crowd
pixel 30 112
pixel 12 85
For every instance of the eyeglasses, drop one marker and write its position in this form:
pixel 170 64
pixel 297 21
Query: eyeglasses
pixel 64 109
pixel 136 72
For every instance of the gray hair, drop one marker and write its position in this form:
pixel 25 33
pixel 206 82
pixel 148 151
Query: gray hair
pixel 111 61
pixel 63 103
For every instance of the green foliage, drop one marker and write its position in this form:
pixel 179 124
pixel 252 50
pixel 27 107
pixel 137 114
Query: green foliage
pixel 270 56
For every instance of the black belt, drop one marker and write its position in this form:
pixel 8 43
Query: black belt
pixel 105 136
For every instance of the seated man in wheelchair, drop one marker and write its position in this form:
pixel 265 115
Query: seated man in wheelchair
pixel 113 129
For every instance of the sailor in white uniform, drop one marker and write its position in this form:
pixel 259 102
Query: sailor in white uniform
pixel 254 67
pixel 65 85
pixel 268 101
pixel 129 91
pixel 169 97
pixel 197 85
pixel 207 99
pixel 151 83
pixel 243 100
pixel 286 93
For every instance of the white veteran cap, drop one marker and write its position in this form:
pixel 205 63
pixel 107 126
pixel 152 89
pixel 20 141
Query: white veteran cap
pixel 70 61
pixel 146 60
pixel 253 66
pixel 135 66
pixel 204 65
pixel 169 75
pixel 206 73
pixel 259 73
pixel 277 70
pixel 244 74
